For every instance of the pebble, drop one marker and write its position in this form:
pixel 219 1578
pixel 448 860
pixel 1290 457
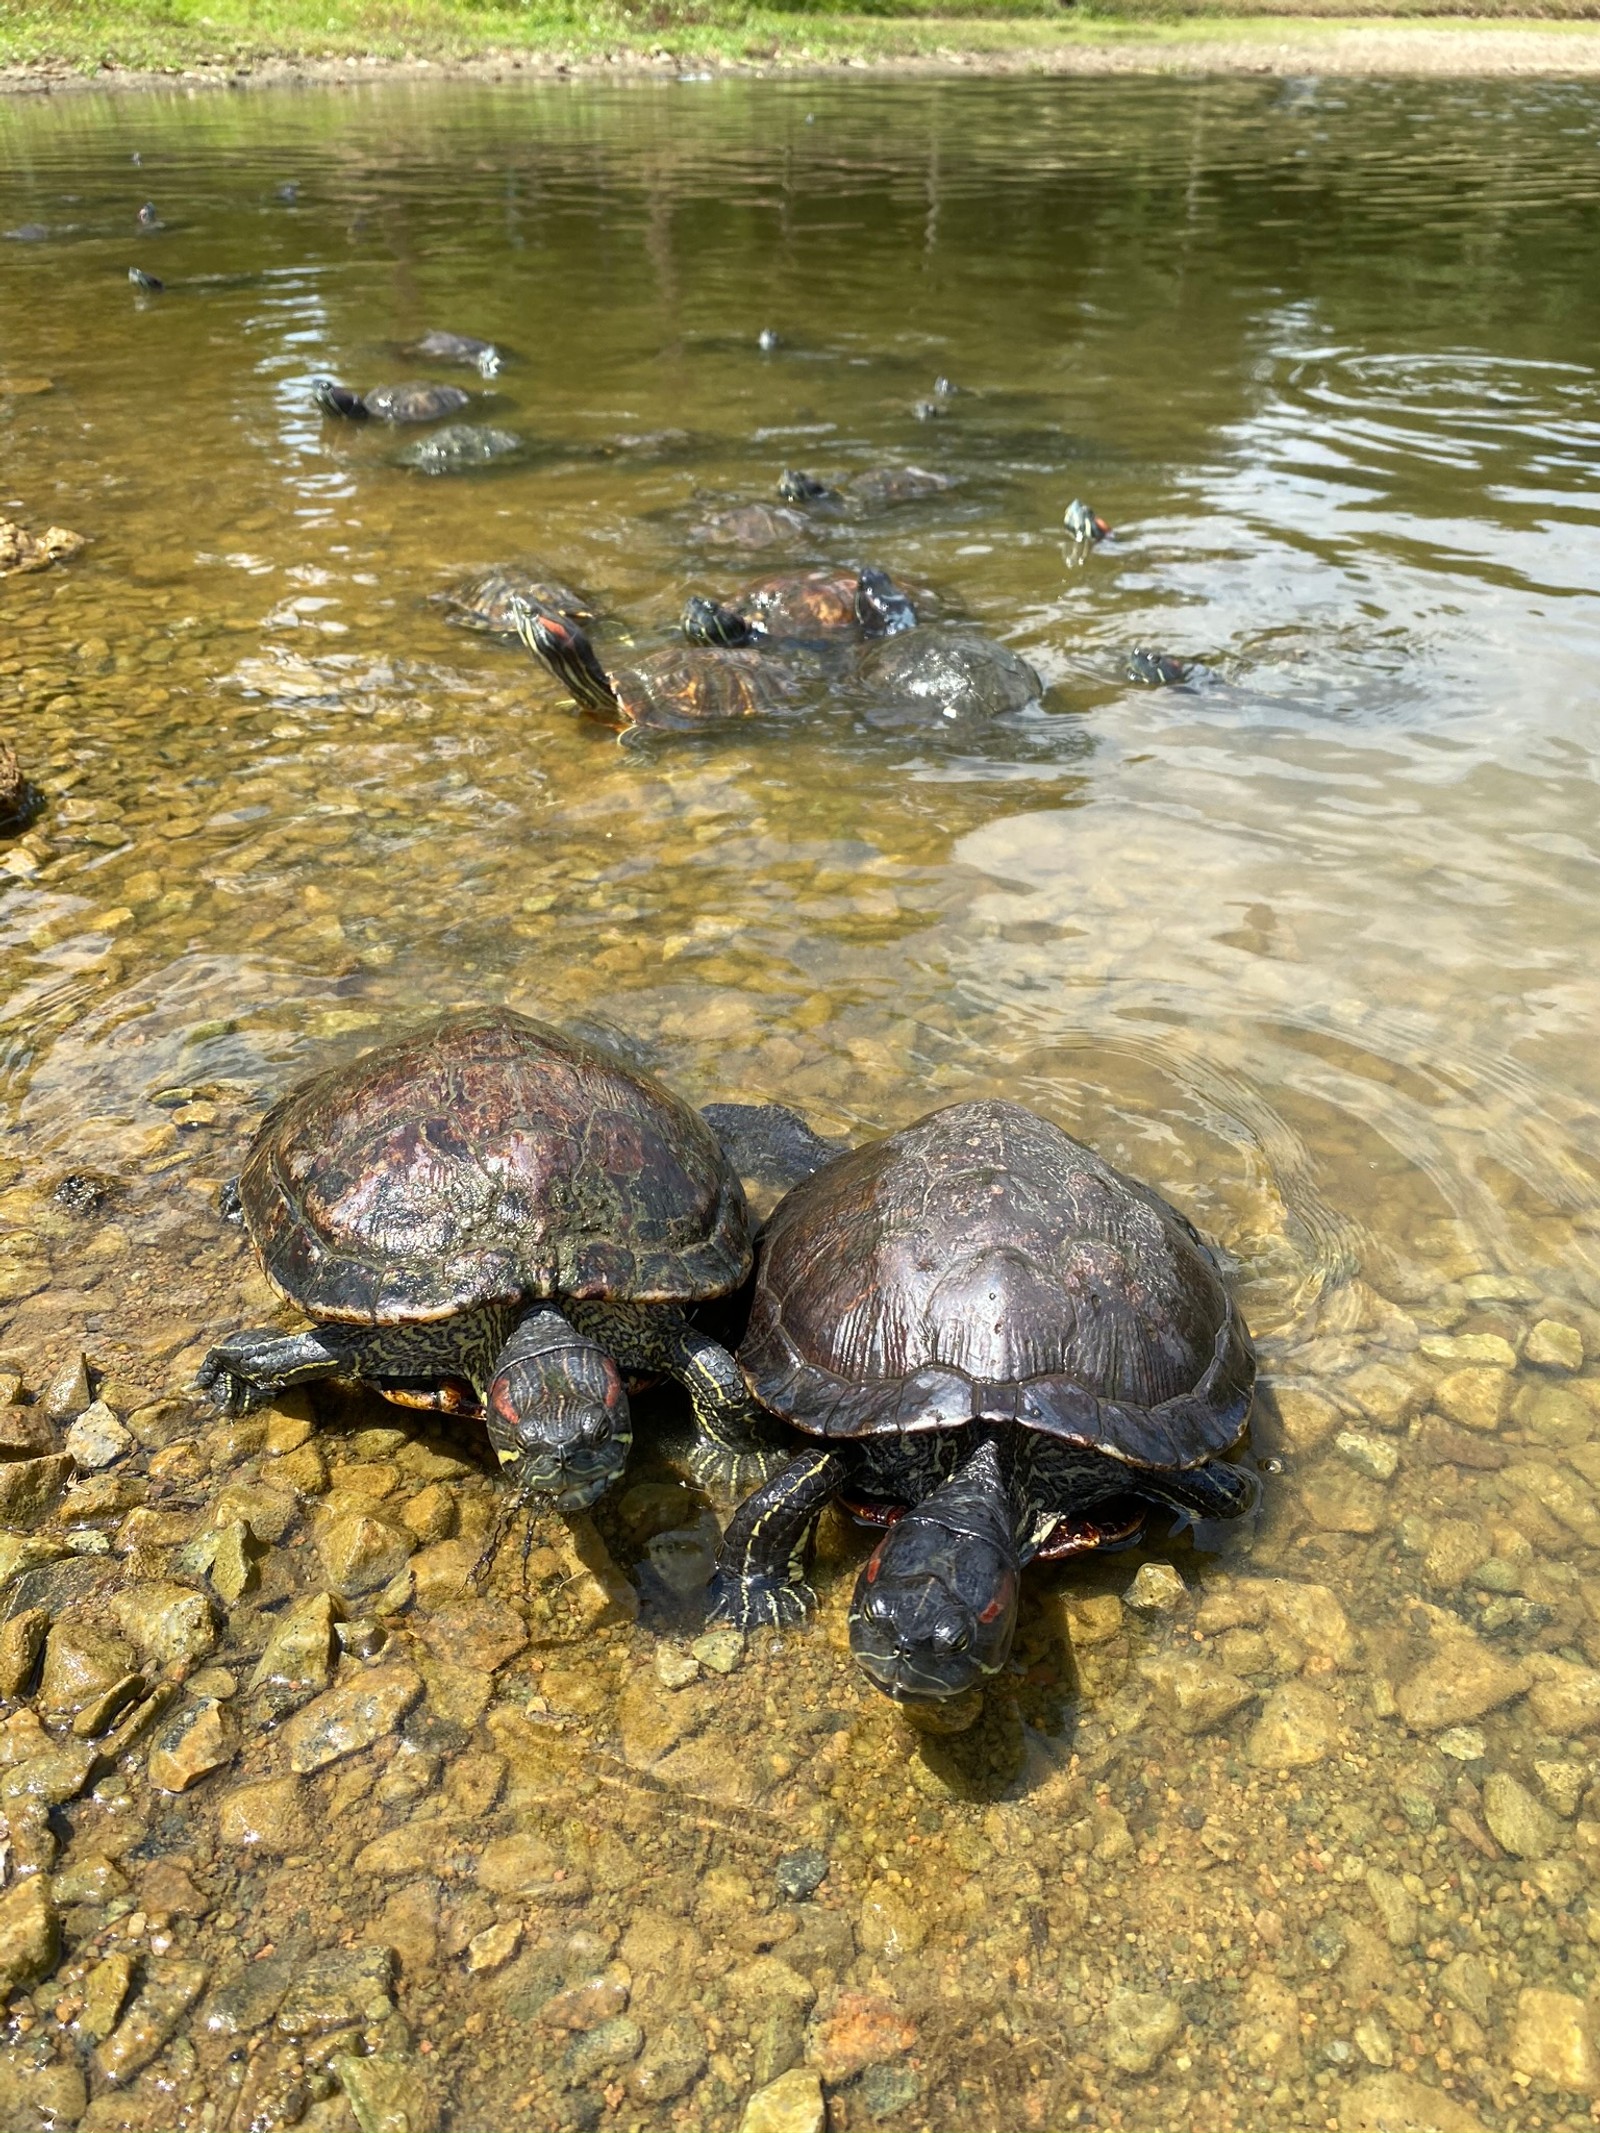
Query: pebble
pixel 494 1946
pixel 800 1874
pixel 1399 2103
pixel 267 1815
pixel 1552 2043
pixel 1562 1783
pixel 1566 1697
pixel 1462 1681
pixel 105 1993
pixel 1478 1399
pixel 1156 1589
pixel 299 1652
pixel 1554 1415
pixel 361 1553
pixel 1395 1906
pixel 1487 1348
pixel 675 1669
pixel 791 2104
pixel 1468 1980
pixel 169 1625
pixel 1298 1726
pixel 198 1740
pixel 351 1716
pixel 1463 1744
pixel 29 1934
pixel 335 1989
pixel 597 2051
pixel 1517 1821
pixel 250 1999
pixel 1341 1501
pixel 1138 2028
pixel 80 1664
pixel 1386 1396
pixel 387 2092
pixel 31 1487
pixel 1553 1345
pixel 1308 1419
pixel 1375 1457
pixel 68 1393
pixel 21 1642
pixel 1197 1696
pixel 719 1649
pixel 170 1989
pixel 97 1439
pixel 673 2058
pixel 888 1926
pixel 24 1429
pixel 1092 1618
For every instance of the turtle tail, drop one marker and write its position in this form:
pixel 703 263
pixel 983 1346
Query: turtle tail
pixel 562 647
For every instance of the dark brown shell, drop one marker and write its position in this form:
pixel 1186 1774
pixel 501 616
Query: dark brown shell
pixel 690 685
pixel 414 402
pixel 983 1265
pixel 488 600
pixel 802 603
pixel 486 1159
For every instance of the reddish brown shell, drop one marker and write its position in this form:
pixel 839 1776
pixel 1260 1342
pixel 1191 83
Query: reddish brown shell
pixel 983 1265
pixel 685 686
pixel 802 603
pixel 485 1159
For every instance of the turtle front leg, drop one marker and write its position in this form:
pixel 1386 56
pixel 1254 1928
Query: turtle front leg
pixel 248 1369
pixel 760 1573
pixel 738 1444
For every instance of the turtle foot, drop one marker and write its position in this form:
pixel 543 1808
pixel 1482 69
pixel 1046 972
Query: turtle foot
pixel 757 1603
pixel 729 1474
pixel 227 1387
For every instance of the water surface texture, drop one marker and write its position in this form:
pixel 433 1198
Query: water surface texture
pixel 1301 1837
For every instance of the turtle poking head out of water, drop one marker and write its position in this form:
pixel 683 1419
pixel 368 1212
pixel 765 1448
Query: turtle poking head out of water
pixel 679 688
pixel 492 1214
pixel 489 599
pixel 805 606
pixel 390 403
pixel 980 1319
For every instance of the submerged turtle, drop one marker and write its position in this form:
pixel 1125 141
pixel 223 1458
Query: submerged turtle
pixel 873 489
pixel 979 1317
pixel 460 446
pixel 20 799
pixel 390 403
pixel 803 605
pixel 1156 670
pixel 483 356
pixel 489 599
pixel 952 676
pixel 749 526
pixel 492 1205
pixel 679 688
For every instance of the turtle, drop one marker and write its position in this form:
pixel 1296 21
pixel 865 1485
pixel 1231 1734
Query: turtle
pixel 749 526
pixel 460 446
pixel 803 605
pixel 488 1213
pixel 1084 523
pixel 680 687
pixel 20 798
pixel 408 403
pixel 489 598
pixel 482 356
pixel 954 675
pixel 149 284
pixel 873 489
pixel 979 1317
pixel 1157 670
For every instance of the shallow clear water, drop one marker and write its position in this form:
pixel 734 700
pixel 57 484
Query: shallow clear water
pixel 1306 943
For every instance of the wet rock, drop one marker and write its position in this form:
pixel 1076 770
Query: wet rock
pixel 1469 1983
pixel 1373 1456
pixel 1554 1415
pixel 888 1927
pixel 1092 1618
pixel 663 1955
pixel 24 1430
pixel 351 1716
pixel 1486 1348
pixel 1462 1680
pixel 1516 1819
pixel 21 1642
pixel 720 1650
pixel 97 1439
pixel 170 1990
pixel 1554 1346
pixel 1373 2042
pixel 586 2004
pixel 1463 1744
pixel 1552 2042
pixel 360 1553
pixel 474 1634
pixel 599 2050
pixel 413 1848
pixel 1298 1726
pixel 1386 1396
pixel 409 1924
pixel 39 2097
pixel 387 2092
pixel 528 1866
pixel 1340 1501
pixel 101 1712
pixel 337 1989
pixel 494 1946
pixel 1476 1398
pixel 431 1514
pixel 791 2104
pixel 29 1488
pixel 1395 1905
pixel 1197 1697
pixel 80 1664
pixel 1566 1697
pixel 1268 2035
pixel 298 1658
pixel 1308 1419
pixel 653 1720
pixel 270 1815
pixel 1398 2103
pixel 29 1935
pixel 105 1993
pixel 1156 1589
pixel 194 1742
pixel 1563 1783
pixel 68 1392
pixel 861 2029
pixel 800 1874
pixel 168 1625
pixel 250 1999
pixel 1138 2028
pixel 234 1556
pixel 672 2060
pixel 675 1669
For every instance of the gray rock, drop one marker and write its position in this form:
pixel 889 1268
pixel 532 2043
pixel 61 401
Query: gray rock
pixel 460 446
pixel 1156 1589
pixel 597 2050
pixel 800 1874
pixel 1138 2028
pixel 250 1999
pixel 1376 1457
pixel 97 1439
pixel 69 1392
pixel 387 2091
pixel 351 1716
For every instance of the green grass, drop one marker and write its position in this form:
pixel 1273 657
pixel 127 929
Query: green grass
pixel 161 35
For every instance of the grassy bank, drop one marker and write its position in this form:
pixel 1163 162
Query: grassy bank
pixel 86 37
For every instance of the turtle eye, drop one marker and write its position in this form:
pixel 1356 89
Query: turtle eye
pixel 952 1636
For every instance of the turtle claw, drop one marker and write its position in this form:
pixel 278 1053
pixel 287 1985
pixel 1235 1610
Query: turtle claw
pixel 757 1603
pixel 229 1388
pixel 724 1472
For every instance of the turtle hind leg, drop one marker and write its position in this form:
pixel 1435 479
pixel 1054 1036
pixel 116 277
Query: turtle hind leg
pixel 760 1574
pixel 251 1368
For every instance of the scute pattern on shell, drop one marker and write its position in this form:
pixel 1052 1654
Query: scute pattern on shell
pixel 983 1265
pixel 485 1159
pixel 680 687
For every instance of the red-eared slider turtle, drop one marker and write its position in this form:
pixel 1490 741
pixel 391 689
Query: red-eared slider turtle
pixel 1083 522
pixel 873 489
pixel 390 403
pixel 802 606
pixel 945 674
pixel 678 688
pixel 459 447
pixel 488 600
pixel 749 526
pixel 494 1205
pixel 978 1317
pixel 1156 670
pixel 483 356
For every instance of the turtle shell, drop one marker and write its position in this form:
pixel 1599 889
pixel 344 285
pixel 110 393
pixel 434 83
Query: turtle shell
pixel 938 673
pixel 686 686
pixel 983 1266
pixel 414 402
pixel 802 603
pixel 488 600
pixel 486 1159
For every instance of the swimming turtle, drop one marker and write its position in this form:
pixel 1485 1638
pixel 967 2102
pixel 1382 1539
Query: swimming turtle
pixel 20 799
pixel 949 674
pixel 483 356
pixel 749 526
pixel 873 489
pixel 803 605
pixel 1083 522
pixel 978 1317
pixel 412 402
pixel 680 687
pixel 488 600
pixel 460 446
pixel 1157 670
pixel 491 1213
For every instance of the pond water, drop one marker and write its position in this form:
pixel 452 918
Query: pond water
pixel 1306 942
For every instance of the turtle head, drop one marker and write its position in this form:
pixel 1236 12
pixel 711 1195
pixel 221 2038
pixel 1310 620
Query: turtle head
pixel 709 622
pixel 559 644
pixel 935 1608
pixel 338 400
pixel 798 488
pixel 882 609
pixel 1083 522
pixel 557 1414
